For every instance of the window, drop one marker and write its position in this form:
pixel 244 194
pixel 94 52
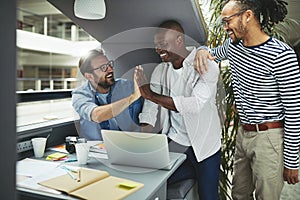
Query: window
pixel 49 46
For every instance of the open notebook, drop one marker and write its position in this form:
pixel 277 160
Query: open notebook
pixel 93 185
pixel 137 149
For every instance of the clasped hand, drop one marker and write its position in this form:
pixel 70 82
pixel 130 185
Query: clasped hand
pixel 142 82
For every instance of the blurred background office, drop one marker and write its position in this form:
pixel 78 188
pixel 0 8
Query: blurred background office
pixel 49 45
pixel 40 51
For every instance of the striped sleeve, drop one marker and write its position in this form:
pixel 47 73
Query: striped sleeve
pixel 221 52
pixel 287 73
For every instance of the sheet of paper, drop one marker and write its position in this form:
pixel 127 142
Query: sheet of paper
pixel 97 146
pixel 50 174
pixel 30 172
pixel 94 142
pixel 30 183
pixel 98 155
pixel 58 171
pixel 31 167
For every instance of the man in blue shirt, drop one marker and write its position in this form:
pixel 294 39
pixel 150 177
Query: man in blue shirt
pixel 103 102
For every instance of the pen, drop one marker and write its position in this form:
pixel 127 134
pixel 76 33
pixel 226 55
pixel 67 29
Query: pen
pixel 71 160
pixel 70 169
pixel 69 172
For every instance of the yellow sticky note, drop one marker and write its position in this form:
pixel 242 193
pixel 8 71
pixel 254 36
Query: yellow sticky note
pixel 128 185
pixel 56 156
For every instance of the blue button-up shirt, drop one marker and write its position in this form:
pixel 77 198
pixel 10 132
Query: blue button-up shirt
pixel 85 98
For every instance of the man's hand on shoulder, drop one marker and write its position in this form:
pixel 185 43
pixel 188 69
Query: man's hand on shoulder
pixel 200 60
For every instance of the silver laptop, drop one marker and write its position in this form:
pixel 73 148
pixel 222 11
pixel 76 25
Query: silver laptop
pixel 137 149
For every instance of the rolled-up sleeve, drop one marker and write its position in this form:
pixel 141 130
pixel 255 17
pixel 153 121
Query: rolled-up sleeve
pixel 150 109
pixel 83 103
pixel 148 116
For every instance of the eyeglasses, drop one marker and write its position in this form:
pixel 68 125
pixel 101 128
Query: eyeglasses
pixel 104 67
pixel 225 20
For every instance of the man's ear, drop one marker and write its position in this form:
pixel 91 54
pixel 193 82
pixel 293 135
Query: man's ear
pixel 249 15
pixel 179 40
pixel 88 76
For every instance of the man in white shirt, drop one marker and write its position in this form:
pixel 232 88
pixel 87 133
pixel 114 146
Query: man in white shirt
pixel 188 112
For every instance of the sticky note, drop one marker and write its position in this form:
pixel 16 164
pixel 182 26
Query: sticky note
pixel 56 156
pixel 128 185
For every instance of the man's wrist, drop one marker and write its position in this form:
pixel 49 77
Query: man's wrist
pixel 132 99
pixel 203 48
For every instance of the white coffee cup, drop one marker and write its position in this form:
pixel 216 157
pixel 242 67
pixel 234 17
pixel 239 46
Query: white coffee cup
pixel 39 145
pixel 82 151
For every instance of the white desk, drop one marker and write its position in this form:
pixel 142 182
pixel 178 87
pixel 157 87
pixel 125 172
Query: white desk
pixel 154 180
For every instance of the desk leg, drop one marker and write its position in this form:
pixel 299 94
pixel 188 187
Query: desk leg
pixel 160 194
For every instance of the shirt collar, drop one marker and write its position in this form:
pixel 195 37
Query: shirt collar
pixel 91 87
pixel 189 60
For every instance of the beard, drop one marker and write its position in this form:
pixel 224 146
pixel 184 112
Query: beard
pixel 235 40
pixel 241 31
pixel 105 82
pixel 170 57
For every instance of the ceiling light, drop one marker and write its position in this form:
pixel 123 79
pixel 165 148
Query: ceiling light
pixel 90 9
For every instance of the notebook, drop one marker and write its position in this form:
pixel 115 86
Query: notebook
pixel 137 149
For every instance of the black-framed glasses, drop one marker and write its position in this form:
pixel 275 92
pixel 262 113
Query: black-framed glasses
pixel 225 20
pixel 104 67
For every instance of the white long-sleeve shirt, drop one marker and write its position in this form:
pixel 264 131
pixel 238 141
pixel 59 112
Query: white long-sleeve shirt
pixel 197 122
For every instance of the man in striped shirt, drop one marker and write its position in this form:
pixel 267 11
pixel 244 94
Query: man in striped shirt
pixel 266 83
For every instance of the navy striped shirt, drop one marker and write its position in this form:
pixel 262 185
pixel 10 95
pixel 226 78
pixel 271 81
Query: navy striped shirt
pixel 266 84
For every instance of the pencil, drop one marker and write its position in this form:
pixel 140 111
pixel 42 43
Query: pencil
pixel 79 176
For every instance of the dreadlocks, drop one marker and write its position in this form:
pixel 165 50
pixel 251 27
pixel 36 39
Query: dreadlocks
pixel 268 12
